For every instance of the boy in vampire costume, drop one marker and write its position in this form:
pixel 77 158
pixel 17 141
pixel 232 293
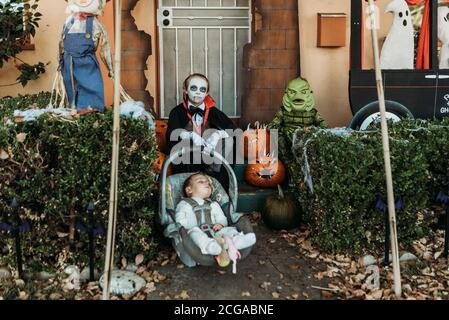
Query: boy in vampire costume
pixel 197 121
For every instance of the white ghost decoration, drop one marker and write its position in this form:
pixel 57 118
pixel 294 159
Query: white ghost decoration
pixel 73 281
pixel 124 282
pixel 398 51
pixel 443 35
pixel 88 6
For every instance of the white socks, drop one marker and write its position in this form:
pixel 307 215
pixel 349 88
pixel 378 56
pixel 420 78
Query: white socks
pixel 213 248
pixel 242 241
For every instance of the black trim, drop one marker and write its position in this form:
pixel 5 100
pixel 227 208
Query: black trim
pixel 356 35
pixel 434 63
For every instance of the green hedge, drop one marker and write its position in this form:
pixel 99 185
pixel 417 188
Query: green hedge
pixel 348 179
pixel 8 104
pixel 56 166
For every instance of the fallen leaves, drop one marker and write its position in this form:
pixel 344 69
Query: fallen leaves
pixel 139 259
pixel 264 285
pixel 366 278
pixel 183 295
pixel 327 294
pixel 21 137
pixel 293 266
pixel 23 295
pixel 164 263
pixel 124 262
pixel 3 155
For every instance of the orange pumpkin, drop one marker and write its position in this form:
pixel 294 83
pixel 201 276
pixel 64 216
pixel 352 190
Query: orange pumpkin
pixel 255 142
pixel 268 172
pixel 159 164
pixel 161 130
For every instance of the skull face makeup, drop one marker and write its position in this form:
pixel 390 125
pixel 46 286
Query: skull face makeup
pixel 87 6
pixel 197 89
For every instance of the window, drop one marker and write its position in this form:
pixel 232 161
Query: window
pixel 385 24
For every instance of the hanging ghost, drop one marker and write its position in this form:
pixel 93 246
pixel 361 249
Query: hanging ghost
pixel 82 35
pixel 443 35
pixel 398 51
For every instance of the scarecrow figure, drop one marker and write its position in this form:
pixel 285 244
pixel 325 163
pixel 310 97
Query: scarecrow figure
pixel 297 111
pixel 82 35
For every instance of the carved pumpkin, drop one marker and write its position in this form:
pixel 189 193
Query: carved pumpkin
pixel 255 141
pixel 281 212
pixel 268 172
pixel 159 164
pixel 161 129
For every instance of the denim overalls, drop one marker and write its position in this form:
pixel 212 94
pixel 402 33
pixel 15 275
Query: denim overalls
pixel 80 69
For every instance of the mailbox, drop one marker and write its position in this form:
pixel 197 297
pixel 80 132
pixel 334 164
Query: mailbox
pixel 331 30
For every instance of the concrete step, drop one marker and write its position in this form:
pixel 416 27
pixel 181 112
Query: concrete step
pixel 239 170
pixel 252 198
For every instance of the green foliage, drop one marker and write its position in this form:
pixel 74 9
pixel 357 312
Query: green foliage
pixel 349 178
pixel 56 167
pixel 18 23
pixel 30 72
pixel 8 104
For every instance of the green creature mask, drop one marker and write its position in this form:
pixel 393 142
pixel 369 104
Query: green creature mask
pixel 298 96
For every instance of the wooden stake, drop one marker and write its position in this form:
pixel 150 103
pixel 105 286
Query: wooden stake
pixel 109 260
pixel 386 150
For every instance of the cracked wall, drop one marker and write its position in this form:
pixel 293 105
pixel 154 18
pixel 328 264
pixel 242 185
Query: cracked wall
pixel 137 47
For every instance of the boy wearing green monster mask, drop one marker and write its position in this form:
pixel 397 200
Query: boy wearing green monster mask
pixel 297 111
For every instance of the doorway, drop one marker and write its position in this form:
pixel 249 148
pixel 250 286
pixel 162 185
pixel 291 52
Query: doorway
pixel 208 37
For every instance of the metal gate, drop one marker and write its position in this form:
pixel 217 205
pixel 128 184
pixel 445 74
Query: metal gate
pixel 203 36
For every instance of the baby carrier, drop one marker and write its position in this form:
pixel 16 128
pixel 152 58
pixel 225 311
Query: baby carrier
pixel 172 193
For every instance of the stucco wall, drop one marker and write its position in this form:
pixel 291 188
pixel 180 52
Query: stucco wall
pixel 326 69
pixel 46 50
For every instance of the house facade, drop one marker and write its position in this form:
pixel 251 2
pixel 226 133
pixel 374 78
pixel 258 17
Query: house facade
pixel 249 49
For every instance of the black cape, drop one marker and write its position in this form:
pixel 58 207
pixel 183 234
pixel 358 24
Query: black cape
pixel 179 119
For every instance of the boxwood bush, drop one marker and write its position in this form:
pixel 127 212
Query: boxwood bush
pixel 55 167
pixel 347 174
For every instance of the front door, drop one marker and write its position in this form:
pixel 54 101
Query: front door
pixel 203 36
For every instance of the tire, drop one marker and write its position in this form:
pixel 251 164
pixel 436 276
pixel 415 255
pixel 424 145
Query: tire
pixel 367 115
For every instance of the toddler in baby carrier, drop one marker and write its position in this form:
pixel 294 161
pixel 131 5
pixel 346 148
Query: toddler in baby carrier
pixel 199 216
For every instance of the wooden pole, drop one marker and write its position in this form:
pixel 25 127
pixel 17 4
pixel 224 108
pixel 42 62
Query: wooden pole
pixel 109 260
pixel 386 150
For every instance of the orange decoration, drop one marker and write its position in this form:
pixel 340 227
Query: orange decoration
pixel 159 164
pixel 161 129
pixel 268 172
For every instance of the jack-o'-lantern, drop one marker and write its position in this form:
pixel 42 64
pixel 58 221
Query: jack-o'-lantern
pixel 255 141
pixel 268 172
